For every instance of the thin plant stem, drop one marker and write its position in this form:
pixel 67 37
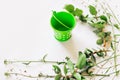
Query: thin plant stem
pixel 50 76
pixel 105 73
pixel 113 14
pixel 31 61
pixel 113 72
pixel 106 59
pixel 24 75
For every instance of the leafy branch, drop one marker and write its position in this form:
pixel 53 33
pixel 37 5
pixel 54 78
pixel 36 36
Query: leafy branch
pixel 98 22
pixel 86 61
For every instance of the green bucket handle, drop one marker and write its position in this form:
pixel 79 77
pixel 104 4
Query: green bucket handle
pixel 54 12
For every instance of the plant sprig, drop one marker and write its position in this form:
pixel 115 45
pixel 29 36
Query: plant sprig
pixel 86 60
pixel 98 22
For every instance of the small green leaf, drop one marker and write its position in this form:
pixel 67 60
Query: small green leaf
pixel 93 58
pixel 27 63
pixel 116 26
pixel 92 10
pixel 70 65
pixel 44 57
pixel 99 41
pixel 77 76
pixel 56 69
pixel 100 54
pixel 57 77
pixel 60 63
pixel 99 25
pixel 67 58
pixel 7 74
pixel 90 70
pixel 5 62
pixel 97 31
pixel 82 18
pixel 90 64
pixel 81 62
pixel 112 46
pixel 78 12
pixel 88 52
pixel 65 70
pixel 107 33
pixel 69 7
pixel 103 17
pixel 101 34
pixel 83 78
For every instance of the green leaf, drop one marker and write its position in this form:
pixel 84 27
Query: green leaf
pixel 7 74
pixel 56 69
pixel 116 26
pixel 5 62
pixel 88 52
pixel 69 7
pixel 107 39
pixel 93 58
pixel 107 33
pixel 103 17
pixel 78 12
pixel 57 77
pixel 65 70
pixel 90 70
pixel 83 78
pixel 100 54
pixel 77 76
pixel 44 57
pixel 101 34
pixel 92 10
pixel 90 64
pixel 81 62
pixel 70 65
pixel 27 63
pixel 112 46
pixel 99 41
pixel 98 25
pixel 82 18
pixel 97 31
pixel 60 63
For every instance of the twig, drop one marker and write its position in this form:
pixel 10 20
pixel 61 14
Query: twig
pixel 29 61
pixel 97 75
pixel 24 75
pixel 107 59
pixel 49 76
pixel 113 14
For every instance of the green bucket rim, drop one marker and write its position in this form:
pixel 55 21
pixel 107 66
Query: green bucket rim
pixel 61 22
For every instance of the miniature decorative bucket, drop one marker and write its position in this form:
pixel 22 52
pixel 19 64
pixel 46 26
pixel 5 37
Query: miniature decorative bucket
pixel 62 24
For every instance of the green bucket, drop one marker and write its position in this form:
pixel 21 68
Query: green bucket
pixel 62 24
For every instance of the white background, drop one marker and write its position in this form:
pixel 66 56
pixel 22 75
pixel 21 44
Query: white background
pixel 26 34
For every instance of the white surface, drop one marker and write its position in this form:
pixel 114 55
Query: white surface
pixel 26 34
